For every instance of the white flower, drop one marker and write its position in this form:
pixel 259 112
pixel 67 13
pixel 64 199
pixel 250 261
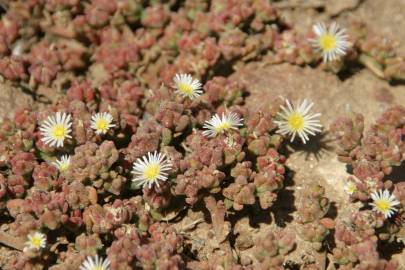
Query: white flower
pixel 96 263
pixel 298 120
pixel 36 241
pixel 101 122
pixel 151 168
pixel 332 42
pixel 350 187
pixel 63 163
pixel 56 129
pixel 371 183
pixel 187 86
pixel 221 124
pixel 384 202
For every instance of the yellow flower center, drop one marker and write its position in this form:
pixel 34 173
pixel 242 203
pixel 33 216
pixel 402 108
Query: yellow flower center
pixel 102 125
pixel 185 88
pixel 64 166
pixel 222 126
pixel 97 268
pixel 59 131
pixel 351 188
pixel 296 121
pixel 383 205
pixel 328 42
pixel 36 242
pixel 151 172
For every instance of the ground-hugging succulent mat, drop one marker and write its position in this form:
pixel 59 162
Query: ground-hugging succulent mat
pixel 234 192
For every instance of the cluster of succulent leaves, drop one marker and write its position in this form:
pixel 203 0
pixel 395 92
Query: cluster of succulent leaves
pixel 83 57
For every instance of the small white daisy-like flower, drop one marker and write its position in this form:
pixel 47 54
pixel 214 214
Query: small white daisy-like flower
pixel 221 124
pixel 95 263
pixel 298 120
pixel 36 241
pixel 102 122
pixel 150 169
pixel 371 183
pixel 384 203
pixel 187 86
pixel 63 163
pixel 350 187
pixel 56 129
pixel 332 42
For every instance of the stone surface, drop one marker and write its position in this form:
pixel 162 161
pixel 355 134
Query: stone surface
pixel 333 7
pixel 11 99
pixel 387 18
